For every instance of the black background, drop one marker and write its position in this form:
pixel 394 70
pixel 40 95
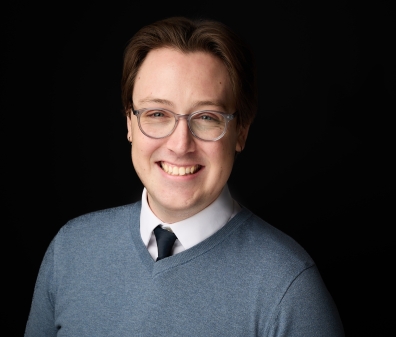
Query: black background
pixel 318 163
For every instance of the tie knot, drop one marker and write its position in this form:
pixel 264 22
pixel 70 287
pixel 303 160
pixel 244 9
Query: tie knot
pixel 165 241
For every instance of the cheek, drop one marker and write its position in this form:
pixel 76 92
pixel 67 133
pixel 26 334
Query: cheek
pixel 223 155
pixel 142 150
pixel 228 147
pixel 134 128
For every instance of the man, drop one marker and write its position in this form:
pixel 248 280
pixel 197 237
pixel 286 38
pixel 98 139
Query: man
pixel 186 260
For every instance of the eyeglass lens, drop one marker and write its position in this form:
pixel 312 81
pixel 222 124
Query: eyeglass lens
pixel 207 125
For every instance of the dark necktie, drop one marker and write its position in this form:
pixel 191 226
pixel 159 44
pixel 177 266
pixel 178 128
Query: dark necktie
pixel 165 241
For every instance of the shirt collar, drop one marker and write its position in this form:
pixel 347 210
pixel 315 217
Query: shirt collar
pixel 195 229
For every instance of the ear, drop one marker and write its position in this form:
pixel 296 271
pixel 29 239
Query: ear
pixel 242 136
pixel 129 127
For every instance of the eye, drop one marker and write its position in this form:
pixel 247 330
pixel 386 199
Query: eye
pixel 155 113
pixel 208 117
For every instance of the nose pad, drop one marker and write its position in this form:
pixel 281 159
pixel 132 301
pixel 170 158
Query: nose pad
pixel 181 140
pixel 182 126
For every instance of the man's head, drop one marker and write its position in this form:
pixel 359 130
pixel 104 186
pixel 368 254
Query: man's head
pixel 178 67
pixel 196 35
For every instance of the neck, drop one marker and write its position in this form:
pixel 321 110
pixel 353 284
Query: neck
pixel 172 215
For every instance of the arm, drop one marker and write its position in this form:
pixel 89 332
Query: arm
pixel 41 317
pixel 307 309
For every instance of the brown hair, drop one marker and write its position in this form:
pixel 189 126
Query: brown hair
pixel 189 35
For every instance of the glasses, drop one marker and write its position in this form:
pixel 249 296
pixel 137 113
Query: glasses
pixel 206 125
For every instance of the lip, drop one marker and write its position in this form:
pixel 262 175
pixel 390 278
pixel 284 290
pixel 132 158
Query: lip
pixel 179 170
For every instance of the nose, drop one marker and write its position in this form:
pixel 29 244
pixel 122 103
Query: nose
pixel 181 141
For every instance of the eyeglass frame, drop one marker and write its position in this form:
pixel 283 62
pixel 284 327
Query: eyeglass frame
pixel 228 117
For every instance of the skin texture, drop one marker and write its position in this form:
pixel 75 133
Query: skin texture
pixel 183 83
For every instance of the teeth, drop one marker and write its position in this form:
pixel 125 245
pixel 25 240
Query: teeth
pixel 179 171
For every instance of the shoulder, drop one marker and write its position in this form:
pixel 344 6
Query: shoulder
pixel 103 218
pixel 269 247
pixel 98 225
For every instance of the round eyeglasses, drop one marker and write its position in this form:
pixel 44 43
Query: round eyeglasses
pixel 206 125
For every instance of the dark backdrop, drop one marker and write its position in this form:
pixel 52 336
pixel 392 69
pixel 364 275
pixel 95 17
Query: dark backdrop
pixel 318 163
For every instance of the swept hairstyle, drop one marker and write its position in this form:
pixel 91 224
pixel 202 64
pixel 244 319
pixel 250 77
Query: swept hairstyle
pixel 191 35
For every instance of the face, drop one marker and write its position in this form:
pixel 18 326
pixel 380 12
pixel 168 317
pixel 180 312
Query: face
pixel 181 173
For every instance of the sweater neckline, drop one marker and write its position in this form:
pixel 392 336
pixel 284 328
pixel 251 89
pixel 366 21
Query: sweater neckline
pixel 155 268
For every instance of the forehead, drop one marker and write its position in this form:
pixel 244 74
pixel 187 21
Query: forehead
pixel 183 78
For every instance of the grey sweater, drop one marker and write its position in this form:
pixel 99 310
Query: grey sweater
pixel 248 279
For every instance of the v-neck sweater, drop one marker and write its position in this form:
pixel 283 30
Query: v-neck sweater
pixel 98 279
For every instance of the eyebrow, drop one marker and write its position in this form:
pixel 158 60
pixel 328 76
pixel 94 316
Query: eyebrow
pixel 156 100
pixel 195 105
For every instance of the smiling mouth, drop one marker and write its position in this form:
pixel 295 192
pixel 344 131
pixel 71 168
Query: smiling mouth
pixel 179 170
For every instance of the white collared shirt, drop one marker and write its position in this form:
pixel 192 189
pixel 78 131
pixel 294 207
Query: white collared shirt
pixel 190 231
